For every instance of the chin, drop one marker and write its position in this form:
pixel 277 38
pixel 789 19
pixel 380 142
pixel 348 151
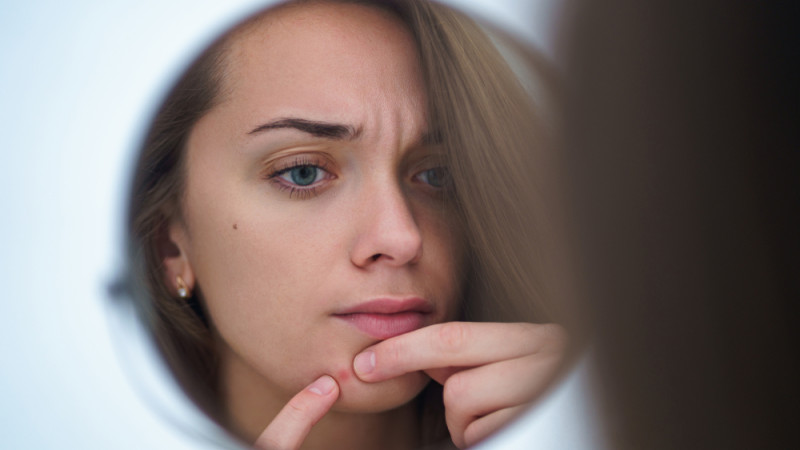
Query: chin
pixel 359 397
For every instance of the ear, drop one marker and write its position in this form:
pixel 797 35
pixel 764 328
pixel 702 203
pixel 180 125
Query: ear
pixel 173 246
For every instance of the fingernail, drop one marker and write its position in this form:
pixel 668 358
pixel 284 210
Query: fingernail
pixel 364 362
pixel 323 386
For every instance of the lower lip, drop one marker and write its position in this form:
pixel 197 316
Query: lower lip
pixel 384 326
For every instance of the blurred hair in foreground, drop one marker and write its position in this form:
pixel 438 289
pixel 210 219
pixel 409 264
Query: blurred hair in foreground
pixel 682 141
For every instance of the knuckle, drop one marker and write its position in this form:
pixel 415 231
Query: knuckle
pixel 455 427
pixel 452 336
pixel 454 391
pixel 473 433
pixel 391 353
pixel 297 407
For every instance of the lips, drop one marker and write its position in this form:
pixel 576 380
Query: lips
pixel 385 318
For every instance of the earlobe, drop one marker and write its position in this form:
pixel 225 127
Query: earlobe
pixel 173 246
pixel 183 290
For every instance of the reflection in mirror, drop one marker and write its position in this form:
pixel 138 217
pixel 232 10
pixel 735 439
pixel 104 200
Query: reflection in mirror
pixel 338 202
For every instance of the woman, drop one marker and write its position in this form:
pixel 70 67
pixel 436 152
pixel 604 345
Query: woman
pixel 325 191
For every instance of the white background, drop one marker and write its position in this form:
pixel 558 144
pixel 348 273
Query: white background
pixel 79 81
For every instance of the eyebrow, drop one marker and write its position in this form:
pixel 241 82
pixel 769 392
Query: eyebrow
pixel 317 129
pixel 333 131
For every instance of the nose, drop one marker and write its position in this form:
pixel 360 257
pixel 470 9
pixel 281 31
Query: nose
pixel 386 232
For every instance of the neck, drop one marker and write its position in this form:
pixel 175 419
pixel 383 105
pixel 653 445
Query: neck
pixel 251 402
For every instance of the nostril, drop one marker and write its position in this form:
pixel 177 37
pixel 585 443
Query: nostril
pixel 376 256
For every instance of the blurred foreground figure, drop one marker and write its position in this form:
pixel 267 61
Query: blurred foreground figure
pixel 682 140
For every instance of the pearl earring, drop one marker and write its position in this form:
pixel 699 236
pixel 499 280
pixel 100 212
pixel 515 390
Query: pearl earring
pixel 183 291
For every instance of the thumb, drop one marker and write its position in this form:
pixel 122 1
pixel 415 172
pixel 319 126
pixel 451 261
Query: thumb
pixel 293 423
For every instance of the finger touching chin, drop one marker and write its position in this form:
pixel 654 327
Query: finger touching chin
pixel 359 396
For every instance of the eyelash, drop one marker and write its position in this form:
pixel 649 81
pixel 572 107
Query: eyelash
pixel 295 191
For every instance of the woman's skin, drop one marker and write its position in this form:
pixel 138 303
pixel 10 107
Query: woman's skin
pixel 313 189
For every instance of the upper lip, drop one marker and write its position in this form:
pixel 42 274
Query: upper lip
pixel 389 306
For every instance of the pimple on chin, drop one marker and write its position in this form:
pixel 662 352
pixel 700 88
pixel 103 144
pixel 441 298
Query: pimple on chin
pixel 343 375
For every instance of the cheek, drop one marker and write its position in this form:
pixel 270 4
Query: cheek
pixel 446 251
pixel 266 283
pixel 249 249
pixel 260 277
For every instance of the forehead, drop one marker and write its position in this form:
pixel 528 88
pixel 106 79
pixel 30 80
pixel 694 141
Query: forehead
pixel 321 46
pixel 335 17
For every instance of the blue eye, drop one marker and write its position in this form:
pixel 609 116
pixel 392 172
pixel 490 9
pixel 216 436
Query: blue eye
pixel 303 178
pixel 302 175
pixel 437 177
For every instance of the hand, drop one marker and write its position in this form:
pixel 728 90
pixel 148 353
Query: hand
pixel 293 423
pixel 490 371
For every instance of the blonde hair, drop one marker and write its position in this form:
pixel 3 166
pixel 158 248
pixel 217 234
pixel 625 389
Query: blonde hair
pixel 488 125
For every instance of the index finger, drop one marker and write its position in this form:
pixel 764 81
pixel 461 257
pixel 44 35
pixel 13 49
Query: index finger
pixel 452 344
pixel 290 427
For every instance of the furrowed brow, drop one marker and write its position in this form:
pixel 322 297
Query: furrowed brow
pixel 432 138
pixel 317 129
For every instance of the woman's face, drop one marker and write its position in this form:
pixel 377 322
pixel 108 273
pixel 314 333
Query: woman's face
pixel 313 204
